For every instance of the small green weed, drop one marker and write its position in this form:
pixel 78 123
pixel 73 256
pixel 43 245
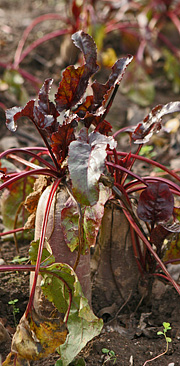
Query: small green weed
pixel 18 260
pixel 167 326
pixel 15 309
pixel 110 356
pixel 147 151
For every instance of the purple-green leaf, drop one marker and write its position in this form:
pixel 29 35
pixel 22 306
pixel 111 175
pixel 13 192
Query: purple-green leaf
pixel 87 45
pixel 13 114
pixel 86 163
pixel 152 123
pixel 156 203
pixel 91 221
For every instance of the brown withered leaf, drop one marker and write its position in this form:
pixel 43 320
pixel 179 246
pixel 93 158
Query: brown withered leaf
pixel 12 358
pixel 32 199
pixel 30 223
pixel 36 337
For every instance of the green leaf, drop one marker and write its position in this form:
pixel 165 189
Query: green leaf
pixel 86 163
pixel 82 324
pixel 166 325
pixel 173 250
pixel 112 353
pixel 105 350
pixel 47 257
pixel 58 363
pixel 168 339
pixel 91 218
pixel 78 362
pixel 70 223
pixel 159 333
pixel 19 260
pixel 11 200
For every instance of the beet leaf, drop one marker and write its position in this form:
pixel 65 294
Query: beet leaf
pixel 152 123
pixel 86 163
pixel 156 203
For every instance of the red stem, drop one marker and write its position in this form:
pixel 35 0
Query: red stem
pixel 129 189
pixel 41 40
pixel 169 44
pixel 18 175
pixel 42 269
pixel 12 231
pixel 34 80
pixel 115 166
pixel 41 242
pixel 146 242
pixel 174 19
pixel 36 21
pixel 134 243
pixel 149 161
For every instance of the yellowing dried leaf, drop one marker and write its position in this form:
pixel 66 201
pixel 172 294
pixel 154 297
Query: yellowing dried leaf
pixel 32 201
pixel 11 357
pixel 172 125
pixel 50 332
pixel 37 337
pixel 30 223
pixel 33 198
pixel 109 57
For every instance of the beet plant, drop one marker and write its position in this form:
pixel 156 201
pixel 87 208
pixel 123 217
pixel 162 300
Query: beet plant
pixel 77 171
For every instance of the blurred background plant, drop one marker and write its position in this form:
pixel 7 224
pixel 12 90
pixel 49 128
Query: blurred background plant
pixel 149 30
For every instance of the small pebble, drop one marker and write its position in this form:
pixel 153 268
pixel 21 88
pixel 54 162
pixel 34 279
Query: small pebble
pixel 171 364
pixel 2 262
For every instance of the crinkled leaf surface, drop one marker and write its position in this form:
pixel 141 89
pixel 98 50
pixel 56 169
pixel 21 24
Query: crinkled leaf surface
pixel 94 106
pixel 13 114
pixel 58 280
pixel 82 324
pixel 70 224
pixel 47 257
pixel 12 198
pixel 87 45
pixel 75 80
pixel 10 360
pixel 153 122
pixel 69 91
pixel 87 157
pixel 43 115
pixel 61 140
pixel 37 337
pixel 91 220
pixel 156 203
pixel 93 216
pixel 173 252
pixel 102 91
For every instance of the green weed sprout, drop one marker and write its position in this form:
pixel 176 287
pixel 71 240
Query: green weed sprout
pixel 167 326
pixel 15 309
pixel 110 355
